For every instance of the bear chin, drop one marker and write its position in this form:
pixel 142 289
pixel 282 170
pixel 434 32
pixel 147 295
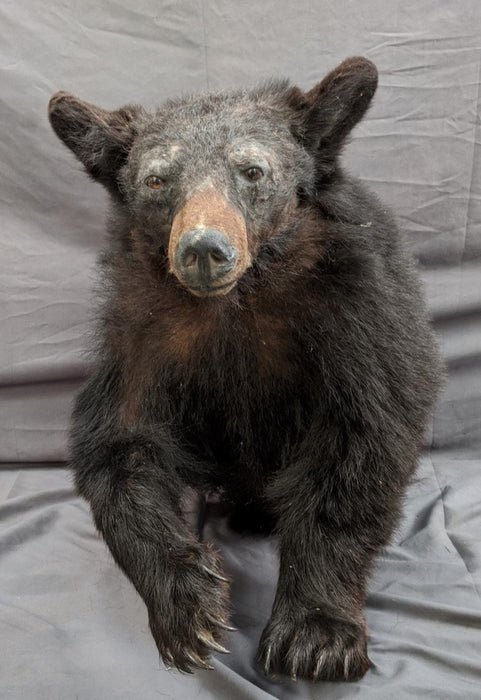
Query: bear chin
pixel 222 290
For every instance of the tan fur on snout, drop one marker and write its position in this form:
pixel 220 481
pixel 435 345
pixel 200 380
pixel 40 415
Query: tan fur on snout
pixel 209 209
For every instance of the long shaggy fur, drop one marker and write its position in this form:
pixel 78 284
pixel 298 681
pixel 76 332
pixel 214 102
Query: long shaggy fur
pixel 301 396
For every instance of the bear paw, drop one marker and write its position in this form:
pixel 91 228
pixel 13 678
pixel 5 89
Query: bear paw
pixel 188 613
pixel 315 646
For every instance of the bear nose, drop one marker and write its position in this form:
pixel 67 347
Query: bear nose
pixel 203 257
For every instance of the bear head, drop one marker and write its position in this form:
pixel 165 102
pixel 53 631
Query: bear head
pixel 209 180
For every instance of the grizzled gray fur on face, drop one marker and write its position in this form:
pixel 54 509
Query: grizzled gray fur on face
pixel 263 336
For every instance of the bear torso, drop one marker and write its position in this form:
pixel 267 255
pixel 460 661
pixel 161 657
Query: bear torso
pixel 332 320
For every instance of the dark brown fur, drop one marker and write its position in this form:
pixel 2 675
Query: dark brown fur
pixel 301 396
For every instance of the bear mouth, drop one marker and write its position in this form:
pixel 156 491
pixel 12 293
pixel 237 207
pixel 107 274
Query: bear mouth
pixel 211 291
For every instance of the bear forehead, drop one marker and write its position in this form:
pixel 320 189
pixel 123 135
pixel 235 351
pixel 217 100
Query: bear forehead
pixel 240 152
pixel 215 120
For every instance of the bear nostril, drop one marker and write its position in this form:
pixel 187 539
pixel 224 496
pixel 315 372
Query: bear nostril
pixel 218 257
pixel 190 259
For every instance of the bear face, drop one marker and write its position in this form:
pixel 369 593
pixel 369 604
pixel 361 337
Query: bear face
pixel 216 173
pixel 209 180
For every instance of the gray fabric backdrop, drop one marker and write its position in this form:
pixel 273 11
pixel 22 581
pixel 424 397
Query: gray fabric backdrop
pixel 71 626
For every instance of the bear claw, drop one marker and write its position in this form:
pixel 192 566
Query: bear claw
pixel 210 642
pixel 220 623
pixel 315 647
pixel 197 661
pixel 215 574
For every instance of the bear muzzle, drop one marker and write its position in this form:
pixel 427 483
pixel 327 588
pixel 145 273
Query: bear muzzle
pixel 208 249
pixel 204 258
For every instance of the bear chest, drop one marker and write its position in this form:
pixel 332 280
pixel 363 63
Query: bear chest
pixel 265 345
pixel 244 396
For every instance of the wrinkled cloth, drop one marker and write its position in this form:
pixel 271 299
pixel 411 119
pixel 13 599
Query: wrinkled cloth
pixel 71 625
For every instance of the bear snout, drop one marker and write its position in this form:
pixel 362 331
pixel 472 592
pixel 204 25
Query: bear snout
pixel 203 259
pixel 208 246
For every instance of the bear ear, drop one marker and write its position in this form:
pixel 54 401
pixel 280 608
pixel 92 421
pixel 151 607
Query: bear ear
pixel 99 138
pixel 326 114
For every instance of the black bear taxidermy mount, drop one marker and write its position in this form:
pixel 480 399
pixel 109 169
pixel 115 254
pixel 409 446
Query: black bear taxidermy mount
pixel 263 336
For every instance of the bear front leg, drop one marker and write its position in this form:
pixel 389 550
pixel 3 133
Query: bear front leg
pixel 317 628
pixel 133 486
pixel 134 500
pixel 332 521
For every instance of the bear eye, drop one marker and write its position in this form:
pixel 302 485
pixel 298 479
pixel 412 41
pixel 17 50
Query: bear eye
pixel 154 182
pixel 253 174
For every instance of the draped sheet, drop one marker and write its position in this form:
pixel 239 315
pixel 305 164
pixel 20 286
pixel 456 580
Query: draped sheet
pixel 71 625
